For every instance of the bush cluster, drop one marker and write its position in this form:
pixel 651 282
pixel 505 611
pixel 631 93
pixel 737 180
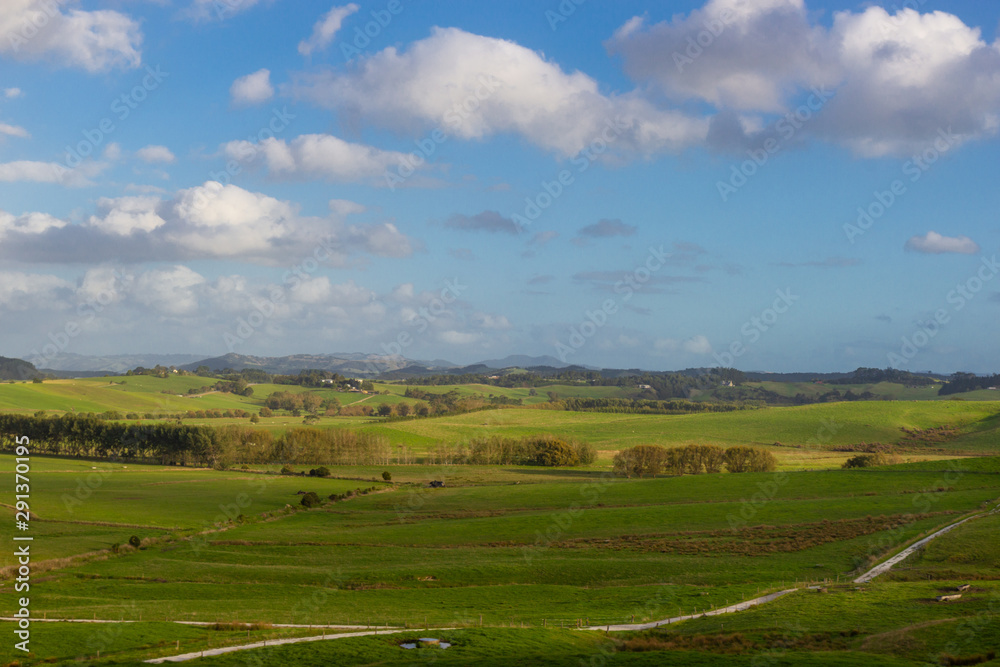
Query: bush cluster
pixel 651 460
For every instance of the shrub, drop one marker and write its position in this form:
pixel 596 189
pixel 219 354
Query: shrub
pixel 135 541
pixel 387 476
pixel 266 412
pixel 321 471
pixel 555 452
pixel 865 461
pixel 287 470
pixel 749 459
pixel 310 500
pixel 254 419
pixel 585 453
pixel 640 460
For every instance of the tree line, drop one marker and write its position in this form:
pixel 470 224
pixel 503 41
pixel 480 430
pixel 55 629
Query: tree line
pixel 651 460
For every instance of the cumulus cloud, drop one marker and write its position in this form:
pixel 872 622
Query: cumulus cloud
pixel 210 221
pixel 24 291
pixel 91 40
pixel 487 221
pixel 936 244
pixel 12 93
pixel 29 171
pixel 891 81
pixel 326 29
pixel 252 89
pixel 153 154
pixel 317 156
pixel 473 87
pixel 13 131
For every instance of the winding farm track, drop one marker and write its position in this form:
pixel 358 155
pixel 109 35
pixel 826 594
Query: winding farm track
pixel 882 568
pixel 184 657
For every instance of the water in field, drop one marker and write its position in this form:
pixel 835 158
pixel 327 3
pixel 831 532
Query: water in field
pixel 426 642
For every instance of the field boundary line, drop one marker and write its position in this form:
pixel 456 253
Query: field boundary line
pixel 884 567
pixel 733 608
pixel 278 642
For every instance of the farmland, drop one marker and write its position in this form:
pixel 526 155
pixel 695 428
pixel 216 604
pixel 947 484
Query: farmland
pixel 514 558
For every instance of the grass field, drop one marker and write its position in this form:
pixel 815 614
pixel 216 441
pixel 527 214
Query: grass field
pixel 526 552
pixel 819 426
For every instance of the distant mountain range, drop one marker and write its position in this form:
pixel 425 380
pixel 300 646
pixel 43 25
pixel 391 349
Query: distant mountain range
pixel 348 364
pixel 351 364
pixel 116 363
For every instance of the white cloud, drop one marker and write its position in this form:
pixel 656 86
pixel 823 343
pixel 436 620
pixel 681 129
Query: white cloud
pixel 473 87
pixel 934 243
pixel 30 223
pixel 13 131
pixel 210 221
pixel 318 156
pixel 695 345
pixel 896 79
pixel 127 215
pixel 169 291
pixel 326 29
pixel 252 89
pixel 12 93
pixel 218 10
pixel 49 172
pixel 92 40
pixel 25 291
pixel 112 151
pixel 151 154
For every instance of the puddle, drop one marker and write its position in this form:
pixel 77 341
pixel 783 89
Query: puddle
pixel 425 642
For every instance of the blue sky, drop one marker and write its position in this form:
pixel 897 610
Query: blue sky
pixel 777 185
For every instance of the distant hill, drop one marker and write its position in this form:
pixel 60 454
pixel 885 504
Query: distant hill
pixel 117 363
pixel 16 369
pixel 524 361
pixel 350 364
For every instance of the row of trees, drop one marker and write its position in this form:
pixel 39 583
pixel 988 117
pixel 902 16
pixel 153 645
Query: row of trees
pixel 651 460
pixel 644 406
pixel 167 443
pixel 541 450
pixel 226 446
